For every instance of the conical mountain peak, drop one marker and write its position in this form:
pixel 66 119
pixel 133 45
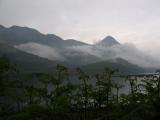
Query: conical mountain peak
pixel 108 42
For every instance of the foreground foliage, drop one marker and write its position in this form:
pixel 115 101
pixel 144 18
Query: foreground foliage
pixel 42 96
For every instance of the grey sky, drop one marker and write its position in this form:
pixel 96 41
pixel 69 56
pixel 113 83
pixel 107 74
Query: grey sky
pixel 135 21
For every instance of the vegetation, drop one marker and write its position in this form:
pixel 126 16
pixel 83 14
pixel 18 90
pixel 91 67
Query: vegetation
pixel 43 96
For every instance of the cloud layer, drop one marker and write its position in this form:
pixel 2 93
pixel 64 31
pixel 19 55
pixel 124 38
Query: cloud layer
pixel 125 51
pixel 41 50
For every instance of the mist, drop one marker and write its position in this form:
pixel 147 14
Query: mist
pixel 125 51
pixel 41 51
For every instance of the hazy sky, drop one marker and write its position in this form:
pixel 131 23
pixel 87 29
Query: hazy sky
pixel 136 21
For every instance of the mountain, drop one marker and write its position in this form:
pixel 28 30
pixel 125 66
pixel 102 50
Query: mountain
pixel 24 41
pixel 22 44
pixel 48 46
pixel 16 35
pixel 108 42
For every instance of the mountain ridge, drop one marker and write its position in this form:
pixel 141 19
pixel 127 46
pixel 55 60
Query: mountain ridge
pixel 76 53
pixel 26 34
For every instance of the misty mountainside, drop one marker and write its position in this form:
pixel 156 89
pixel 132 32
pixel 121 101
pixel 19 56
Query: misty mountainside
pixel 122 66
pixel 53 49
pixel 26 62
pixel 48 46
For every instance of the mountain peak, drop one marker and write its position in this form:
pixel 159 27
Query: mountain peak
pixel 108 41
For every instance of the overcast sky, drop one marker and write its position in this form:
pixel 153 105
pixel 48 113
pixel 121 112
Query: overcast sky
pixel 135 21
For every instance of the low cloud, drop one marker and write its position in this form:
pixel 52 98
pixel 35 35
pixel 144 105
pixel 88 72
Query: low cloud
pixel 125 51
pixel 41 50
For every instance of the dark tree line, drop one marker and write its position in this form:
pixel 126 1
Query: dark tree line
pixel 43 96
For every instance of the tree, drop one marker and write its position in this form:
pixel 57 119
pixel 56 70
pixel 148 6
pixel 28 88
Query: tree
pixel 118 86
pixel 7 69
pixel 84 89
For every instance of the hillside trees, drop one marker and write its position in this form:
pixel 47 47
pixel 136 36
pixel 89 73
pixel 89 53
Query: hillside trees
pixel 53 96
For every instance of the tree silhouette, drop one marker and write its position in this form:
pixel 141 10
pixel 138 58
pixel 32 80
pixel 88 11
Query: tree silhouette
pixel 84 89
